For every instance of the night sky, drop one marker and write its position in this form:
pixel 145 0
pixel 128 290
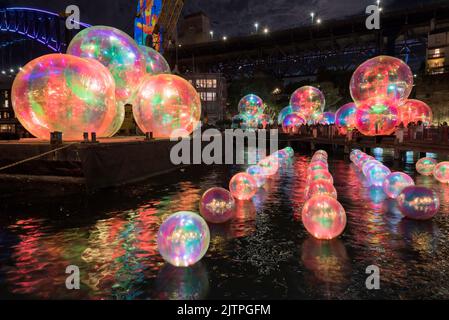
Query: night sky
pixel 230 17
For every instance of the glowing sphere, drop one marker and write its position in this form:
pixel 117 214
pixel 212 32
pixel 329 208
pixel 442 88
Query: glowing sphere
pixel 377 175
pixel 345 117
pixel 321 153
pixel 281 155
pixel 326 118
pixel 324 217
pixel 217 205
pixel 155 62
pixel 320 175
pixel 396 182
pixel 414 111
pixel 368 165
pixel 292 122
pixel 418 203
pixel 269 165
pixel 290 151
pixel 250 105
pixel 361 162
pixel 166 104
pixel 283 113
pixel 258 173
pixel 441 172
pixel 382 77
pixel 243 186
pixel 59 92
pixel 425 166
pixel 307 100
pixel 376 117
pixel 116 51
pixel 183 238
pixel 317 165
pixel 320 187
pixel 353 154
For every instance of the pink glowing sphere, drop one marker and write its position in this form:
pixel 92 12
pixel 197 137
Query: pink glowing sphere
pixel 345 117
pixel 243 186
pixel 320 175
pixel 320 187
pixel 414 111
pixel 377 175
pixel 317 165
pixel 382 77
pixel 116 51
pixel 425 166
pixel 269 165
pixel 377 117
pixel 155 61
pixel 183 238
pixel 167 105
pixel 395 182
pixel 251 105
pixel 320 153
pixel 258 173
pixel 60 92
pixel 368 165
pixel 307 101
pixel 441 172
pixel 292 122
pixel 418 203
pixel 324 217
pixel 217 205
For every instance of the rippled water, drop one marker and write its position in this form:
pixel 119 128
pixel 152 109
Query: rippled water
pixel 264 252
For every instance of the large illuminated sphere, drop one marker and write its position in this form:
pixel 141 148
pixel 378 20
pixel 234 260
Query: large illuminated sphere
pixel 418 203
pixel 258 173
pixel 60 92
pixel 283 113
pixel 324 217
pixel 320 187
pixel 243 186
pixel 353 154
pixel 425 166
pixel 250 105
pixel 217 205
pixel 377 117
pixel 269 165
pixel 166 104
pixel 326 118
pixel 292 122
pixel 183 238
pixel 414 111
pixel 377 175
pixel 396 182
pixel 382 77
pixel 116 51
pixel 307 101
pixel 345 117
pixel 441 172
pixel 155 62
pixel 320 175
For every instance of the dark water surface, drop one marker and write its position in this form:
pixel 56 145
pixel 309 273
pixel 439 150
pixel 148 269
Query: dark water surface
pixel 264 252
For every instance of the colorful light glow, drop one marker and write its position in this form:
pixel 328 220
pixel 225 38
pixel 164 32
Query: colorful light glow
pixel 292 122
pixel 418 203
pixel 258 173
pixel 283 113
pixel 377 175
pixel 59 92
pixel 320 175
pixel 320 187
pixel 217 205
pixel 396 182
pixel 307 101
pixel 425 166
pixel 155 62
pixel 183 238
pixel 377 117
pixel 345 117
pixel 269 165
pixel 414 111
pixel 326 118
pixel 250 105
pixel 243 186
pixel 441 172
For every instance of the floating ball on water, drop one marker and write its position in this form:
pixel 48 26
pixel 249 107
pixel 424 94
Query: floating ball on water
pixel 383 77
pixel 316 165
pixel 217 205
pixel 345 117
pixel 396 182
pixel 166 104
pixel 320 175
pixel 270 165
pixel 418 203
pixel 155 61
pixel 257 172
pixel 183 238
pixel 441 172
pixel 243 186
pixel 377 117
pixel 320 187
pixel 324 217
pixel 377 174
pixel 368 165
pixel 250 105
pixel 425 166
pixel 307 101
pixel 415 111
pixel 290 151
pixel 61 92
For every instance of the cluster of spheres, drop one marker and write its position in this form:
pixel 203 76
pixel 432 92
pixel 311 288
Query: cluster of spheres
pixel 322 215
pixel 251 114
pixel 418 203
pixel 86 89
pixel 428 166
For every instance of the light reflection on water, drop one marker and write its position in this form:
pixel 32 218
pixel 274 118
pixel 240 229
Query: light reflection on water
pixel 263 253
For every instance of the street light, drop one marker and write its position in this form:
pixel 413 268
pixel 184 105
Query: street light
pixel 266 30
pixel 256 25
pixel 312 14
pixel 211 34
pixel 318 21
pixel 225 38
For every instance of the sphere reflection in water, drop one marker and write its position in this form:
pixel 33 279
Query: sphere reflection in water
pixel 243 186
pixel 418 203
pixel 396 182
pixel 324 217
pixel 320 187
pixel 217 205
pixel 183 238
pixel 425 166
pixel 441 172
pixel 257 173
